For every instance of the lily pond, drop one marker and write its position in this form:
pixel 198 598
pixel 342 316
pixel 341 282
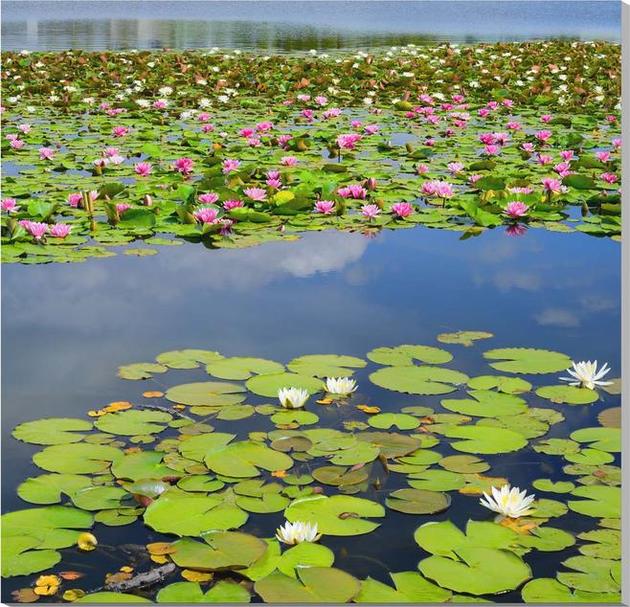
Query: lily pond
pixel 312 327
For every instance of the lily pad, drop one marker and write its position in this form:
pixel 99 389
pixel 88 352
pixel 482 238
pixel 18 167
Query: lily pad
pixel 571 395
pixel 402 421
pixel 527 360
pixel 133 422
pixel 465 338
pixel 206 394
pixel 186 514
pixel 418 501
pixel 52 431
pixel 407 354
pixel 418 380
pixel 224 591
pixel 268 385
pixel 336 515
pixel 480 439
pixel 243 459
pixel 239 367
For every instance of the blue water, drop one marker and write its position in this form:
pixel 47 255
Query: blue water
pixel 300 25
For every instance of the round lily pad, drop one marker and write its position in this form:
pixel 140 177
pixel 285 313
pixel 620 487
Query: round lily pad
pixel 418 501
pixel 208 394
pixel 238 367
pixel 268 385
pixel 52 431
pixel 133 422
pixel 402 421
pixel 571 395
pixel 418 380
pixel 336 515
pixel 480 439
pixel 527 360
pixel 406 354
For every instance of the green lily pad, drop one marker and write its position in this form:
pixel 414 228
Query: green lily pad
pixel 406 354
pixel 268 385
pixel 480 439
pixel 604 439
pixel 52 431
pixel 418 501
pixel 221 550
pixel 466 464
pixel 224 591
pixel 142 465
pixel 418 380
pixel 571 395
pixel 239 367
pixel 294 416
pixel 465 338
pixel 486 403
pixel 336 515
pixel 477 571
pixel 508 385
pixel 206 394
pixel 76 458
pixel 402 421
pixel 315 585
pixel 133 422
pixel 437 480
pixel 104 598
pixel 186 514
pixel 140 370
pixel 411 587
pixel 48 488
pixel 187 359
pixel 325 365
pixel 305 554
pixel 545 484
pixel 339 476
pixel 527 360
pixel 243 459
pixel 600 501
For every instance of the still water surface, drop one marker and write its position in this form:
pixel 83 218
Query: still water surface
pixel 68 327
pixel 297 26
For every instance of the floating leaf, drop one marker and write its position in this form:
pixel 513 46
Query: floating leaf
pixel 406 354
pixel 186 514
pixel 52 431
pixel 571 395
pixel 479 439
pixel 527 360
pixel 418 380
pixel 336 515
pixel 315 585
pixel 243 459
pixel 465 338
pixel 268 385
pixel 239 367
pixel 206 394
pixel 402 421
pixel 418 501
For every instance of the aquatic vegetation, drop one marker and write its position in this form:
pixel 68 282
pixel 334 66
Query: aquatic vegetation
pixel 510 502
pixel 585 374
pixel 247 148
pixel 250 490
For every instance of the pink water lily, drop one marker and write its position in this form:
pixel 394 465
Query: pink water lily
pixel 257 194
pixel 206 215
pixel 552 185
pixel 9 205
pixel 143 169
pixel 543 135
pixel 609 177
pixel 229 165
pixel 60 230
pixel 120 131
pixel 122 208
pixel 228 205
pixel 17 144
pixel 352 191
pixel 370 211
pixel 209 198
pixel 46 153
pixel 325 207
pixel 264 127
pixel 34 228
pixel 184 165
pixel 455 167
pixel 288 161
pixel 348 141
pixel 402 209
pixel 516 209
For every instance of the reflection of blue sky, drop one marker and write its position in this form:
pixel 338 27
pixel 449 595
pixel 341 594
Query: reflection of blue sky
pixel 67 327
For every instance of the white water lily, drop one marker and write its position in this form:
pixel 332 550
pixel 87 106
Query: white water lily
pixel 586 375
pixel 292 398
pixel 342 386
pixel 295 533
pixel 511 502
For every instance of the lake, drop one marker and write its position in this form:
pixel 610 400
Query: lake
pixel 69 327
pixel 276 27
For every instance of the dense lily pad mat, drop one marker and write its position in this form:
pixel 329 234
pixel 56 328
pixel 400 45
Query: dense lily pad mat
pixel 207 469
pixel 231 150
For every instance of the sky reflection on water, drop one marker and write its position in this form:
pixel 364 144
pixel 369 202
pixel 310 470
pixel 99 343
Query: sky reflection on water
pixel 297 26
